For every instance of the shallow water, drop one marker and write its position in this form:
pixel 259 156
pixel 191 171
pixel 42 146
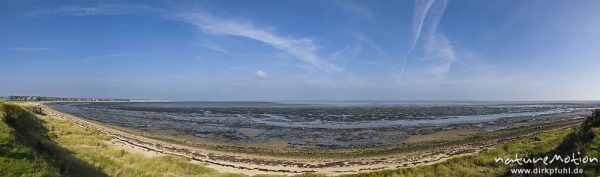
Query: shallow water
pixel 316 124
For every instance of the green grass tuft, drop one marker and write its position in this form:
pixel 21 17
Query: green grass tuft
pixel 15 159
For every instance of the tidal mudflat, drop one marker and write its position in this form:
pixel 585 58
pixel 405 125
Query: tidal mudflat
pixel 329 138
pixel 306 125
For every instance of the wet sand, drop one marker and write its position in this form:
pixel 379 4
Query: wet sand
pixel 250 126
pixel 441 136
pixel 250 132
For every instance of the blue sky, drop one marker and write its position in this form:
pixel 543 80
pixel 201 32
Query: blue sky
pixel 302 50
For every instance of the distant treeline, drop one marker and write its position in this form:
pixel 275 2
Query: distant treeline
pixel 44 98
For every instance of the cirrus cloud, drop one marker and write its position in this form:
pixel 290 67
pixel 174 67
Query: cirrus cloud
pixel 301 48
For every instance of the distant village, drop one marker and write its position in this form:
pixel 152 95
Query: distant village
pixel 45 98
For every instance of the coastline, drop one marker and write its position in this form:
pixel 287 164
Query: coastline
pixel 251 164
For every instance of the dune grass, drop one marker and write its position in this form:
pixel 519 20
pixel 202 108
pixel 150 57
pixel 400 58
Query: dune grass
pixel 90 146
pixel 594 151
pixel 480 164
pixel 66 149
pixel 17 159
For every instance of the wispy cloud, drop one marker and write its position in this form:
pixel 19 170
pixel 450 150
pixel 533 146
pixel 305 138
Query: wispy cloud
pixel 301 48
pixel 428 13
pixel 437 45
pixel 369 42
pixel 215 47
pixel 421 10
pixel 103 57
pixel 97 9
pixel 354 7
pixel 27 49
pixel 346 55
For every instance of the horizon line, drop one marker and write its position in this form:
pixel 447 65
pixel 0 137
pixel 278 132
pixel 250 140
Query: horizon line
pixel 317 100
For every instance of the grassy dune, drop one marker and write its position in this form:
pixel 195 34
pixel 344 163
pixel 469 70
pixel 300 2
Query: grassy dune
pixel 584 138
pixel 72 150
pixel 481 164
pixel 17 159
pixel 90 146
pixel 38 145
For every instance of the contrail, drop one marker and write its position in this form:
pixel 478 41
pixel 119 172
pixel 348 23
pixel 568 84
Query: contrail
pixel 421 10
